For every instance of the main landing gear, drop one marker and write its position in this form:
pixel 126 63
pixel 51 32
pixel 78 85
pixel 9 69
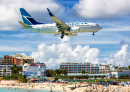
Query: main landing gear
pixel 62 35
pixel 93 34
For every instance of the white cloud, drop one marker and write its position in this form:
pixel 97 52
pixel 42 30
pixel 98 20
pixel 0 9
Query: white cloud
pixel 54 55
pixel 102 8
pixel 10 14
pixel 122 57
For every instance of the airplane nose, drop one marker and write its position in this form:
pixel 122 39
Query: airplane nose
pixel 101 28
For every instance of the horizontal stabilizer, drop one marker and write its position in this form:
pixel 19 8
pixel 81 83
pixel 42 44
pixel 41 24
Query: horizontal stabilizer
pixel 23 24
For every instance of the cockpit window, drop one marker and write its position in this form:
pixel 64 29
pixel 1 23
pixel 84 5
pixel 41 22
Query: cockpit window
pixel 97 25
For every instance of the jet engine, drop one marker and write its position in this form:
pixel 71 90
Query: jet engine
pixel 74 29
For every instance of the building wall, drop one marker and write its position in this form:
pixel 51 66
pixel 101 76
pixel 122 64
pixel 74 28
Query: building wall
pixel 104 68
pixel 9 81
pixel 78 67
pixel 34 71
pixel 8 60
pixel 118 74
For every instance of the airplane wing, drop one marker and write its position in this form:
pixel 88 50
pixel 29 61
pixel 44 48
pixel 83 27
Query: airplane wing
pixel 60 25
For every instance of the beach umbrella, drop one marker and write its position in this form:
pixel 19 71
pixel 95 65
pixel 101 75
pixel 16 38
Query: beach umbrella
pixel 35 79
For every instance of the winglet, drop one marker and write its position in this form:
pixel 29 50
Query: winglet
pixel 23 24
pixel 50 13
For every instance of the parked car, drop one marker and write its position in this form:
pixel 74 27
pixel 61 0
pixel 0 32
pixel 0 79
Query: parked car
pixel 113 82
pixel 53 81
pixel 65 81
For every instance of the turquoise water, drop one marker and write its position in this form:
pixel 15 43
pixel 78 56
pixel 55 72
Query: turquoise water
pixel 23 90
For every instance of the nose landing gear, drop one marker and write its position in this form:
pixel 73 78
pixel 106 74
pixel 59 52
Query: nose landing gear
pixel 93 34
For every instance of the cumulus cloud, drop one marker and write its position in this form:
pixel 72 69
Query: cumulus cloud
pixel 102 8
pixel 10 15
pixel 54 55
pixel 122 57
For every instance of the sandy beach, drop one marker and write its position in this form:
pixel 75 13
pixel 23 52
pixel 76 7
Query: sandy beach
pixel 69 87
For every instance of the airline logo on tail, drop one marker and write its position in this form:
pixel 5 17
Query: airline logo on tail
pixel 27 19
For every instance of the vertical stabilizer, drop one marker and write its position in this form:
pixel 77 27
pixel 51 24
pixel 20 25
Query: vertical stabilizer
pixel 27 18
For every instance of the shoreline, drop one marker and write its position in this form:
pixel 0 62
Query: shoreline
pixel 75 87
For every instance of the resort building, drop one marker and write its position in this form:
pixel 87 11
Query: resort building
pixel 20 59
pixel 117 74
pixel 88 67
pixel 7 67
pixel 1 61
pixel 78 67
pixel 34 70
pixel 17 59
pixel 105 68
pixel 8 60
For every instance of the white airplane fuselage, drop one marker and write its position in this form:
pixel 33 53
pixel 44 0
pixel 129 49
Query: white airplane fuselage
pixel 74 28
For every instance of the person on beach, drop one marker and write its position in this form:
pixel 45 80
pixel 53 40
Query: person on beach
pixel 123 83
pixel 128 82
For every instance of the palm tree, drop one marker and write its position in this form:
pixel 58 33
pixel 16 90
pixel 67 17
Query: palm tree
pixel 15 70
pixel 64 72
pixel 83 72
pixel 4 71
pixel 58 72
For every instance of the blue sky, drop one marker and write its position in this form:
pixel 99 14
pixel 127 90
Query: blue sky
pixel 109 40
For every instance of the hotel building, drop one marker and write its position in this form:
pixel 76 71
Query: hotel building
pixel 88 67
pixel 8 61
pixel 17 59
pixel 34 70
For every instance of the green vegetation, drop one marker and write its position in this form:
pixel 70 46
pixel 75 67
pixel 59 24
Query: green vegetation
pixel 56 73
pixel 98 80
pixel 4 71
pixel 129 67
pixel 83 72
pixel 15 74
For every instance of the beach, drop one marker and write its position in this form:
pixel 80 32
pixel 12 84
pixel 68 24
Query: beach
pixel 75 87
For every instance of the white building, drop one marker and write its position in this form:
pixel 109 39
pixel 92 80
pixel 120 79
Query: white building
pixel 35 70
pixel 118 74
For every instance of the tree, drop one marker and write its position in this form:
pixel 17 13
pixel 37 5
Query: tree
pixel 122 77
pixel 58 72
pixel 4 71
pixel 50 73
pixel 83 72
pixel 15 70
pixel 25 61
pixel 126 76
pixel 129 67
pixel 64 72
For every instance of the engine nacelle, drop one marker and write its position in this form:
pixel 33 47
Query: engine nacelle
pixel 72 34
pixel 74 29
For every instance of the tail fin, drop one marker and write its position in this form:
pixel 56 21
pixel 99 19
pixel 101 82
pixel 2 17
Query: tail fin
pixel 27 19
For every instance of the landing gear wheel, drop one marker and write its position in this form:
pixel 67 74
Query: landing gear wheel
pixel 62 36
pixel 93 34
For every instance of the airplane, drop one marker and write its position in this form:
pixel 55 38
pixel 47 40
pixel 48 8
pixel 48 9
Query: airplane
pixel 59 27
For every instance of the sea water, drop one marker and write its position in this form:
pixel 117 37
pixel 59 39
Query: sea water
pixel 24 90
